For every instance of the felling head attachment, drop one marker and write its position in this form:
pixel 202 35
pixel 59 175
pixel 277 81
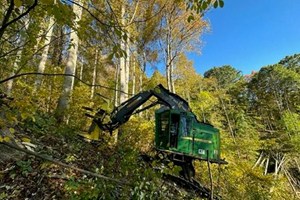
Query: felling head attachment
pixel 98 120
pixel 97 125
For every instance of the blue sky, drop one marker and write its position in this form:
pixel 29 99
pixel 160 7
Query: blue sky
pixel 250 34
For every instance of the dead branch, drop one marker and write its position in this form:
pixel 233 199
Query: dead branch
pixel 48 158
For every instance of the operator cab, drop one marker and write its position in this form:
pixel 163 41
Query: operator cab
pixel 179 132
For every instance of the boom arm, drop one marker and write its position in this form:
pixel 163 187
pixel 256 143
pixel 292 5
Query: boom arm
pixel 122 113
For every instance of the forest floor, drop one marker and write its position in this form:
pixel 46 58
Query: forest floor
pixel 26 176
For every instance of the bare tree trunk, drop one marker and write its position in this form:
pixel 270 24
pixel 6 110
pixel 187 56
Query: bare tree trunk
pixel 169 58
pixel 280 164
pixel 133 75
pixel 127 67
pixel 276 167
pixel 36 46
pixel 123 96
pixel 143 71
pixel 227 119
pixel 141 81
pixel 171 77
pixel 124 69
pixel 65 97
pixel 49 98
pixel 42 64
pixel 258 160
pixel 262 162
pixel 81 70
pixel 117 86
pixel 290 179
pixel 267 164
pixel 94 74
pixel 168 62
pixel 59 47
pixel 15 67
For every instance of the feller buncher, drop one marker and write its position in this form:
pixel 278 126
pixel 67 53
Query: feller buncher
pixel 178 134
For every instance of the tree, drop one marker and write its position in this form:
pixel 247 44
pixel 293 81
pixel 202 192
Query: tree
pixel 42 64
pixel 65 97
pixel 147 34
pixel 179 34
pixel 186 79
pixel 123 67
pixel 275 106
pixel 225 75
pixel 291 62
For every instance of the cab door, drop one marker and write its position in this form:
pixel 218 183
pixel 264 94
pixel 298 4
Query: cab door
pixel 174 130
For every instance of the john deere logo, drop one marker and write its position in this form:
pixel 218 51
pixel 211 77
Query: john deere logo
pixel 201 151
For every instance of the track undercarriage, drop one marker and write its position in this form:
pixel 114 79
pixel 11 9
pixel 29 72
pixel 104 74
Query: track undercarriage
pixel 186 178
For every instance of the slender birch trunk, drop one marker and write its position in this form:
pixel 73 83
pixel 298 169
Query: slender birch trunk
pixel 49 98
pixel 143 71
pixel 168 57
pixel 290 179
pixel 81 70
pixel 36 46
pixel 267 164
pixel 59 46
pixel 123 96
pixel 261 155
pixel 171 77
pixel 133 75
pixel 122 80
pixel 42 64
pixel 65 97
pixel 15 68
pixel 227 119
pixel 94 74
pixel 127 67
pixel 168 62
pixel 117 86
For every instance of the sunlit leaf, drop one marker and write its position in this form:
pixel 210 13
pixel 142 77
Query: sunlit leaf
pixel 25 139
pixel 221 3
pixel 216 4
pixel 190 18
pixel 12 130
pixel 6 139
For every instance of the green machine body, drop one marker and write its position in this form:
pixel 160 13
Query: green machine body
pixel 179 132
